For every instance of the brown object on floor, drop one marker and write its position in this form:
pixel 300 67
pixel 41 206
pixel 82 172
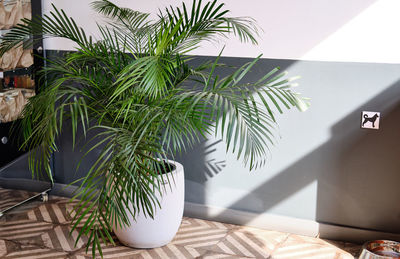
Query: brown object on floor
pixel 41 230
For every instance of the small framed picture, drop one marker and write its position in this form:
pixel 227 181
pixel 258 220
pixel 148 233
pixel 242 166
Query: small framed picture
pixel 370 120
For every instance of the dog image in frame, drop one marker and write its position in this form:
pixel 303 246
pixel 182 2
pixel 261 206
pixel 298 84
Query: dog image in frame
pixel 370 119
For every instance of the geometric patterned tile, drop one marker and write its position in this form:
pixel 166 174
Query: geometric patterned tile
pixel 66 208
pixel 51 212
pixel 200 234
pixel 42 230
pixel 311 240
pixel 296 247
pixel 110 251
pixel 19 213
pixel 213 255
pixel 267 239
pixel 34 252
pixel 59 238
pixel 243 244
pixel 10 198
pixel 307 251
pixel 172 251
pixel 23 229
pixel 79 257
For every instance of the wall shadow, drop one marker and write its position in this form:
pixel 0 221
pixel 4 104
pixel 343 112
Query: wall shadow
pixel 357 173
pixel 197 161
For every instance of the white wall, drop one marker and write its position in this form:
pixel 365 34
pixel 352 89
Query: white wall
pixel 325 167
pixel 340 30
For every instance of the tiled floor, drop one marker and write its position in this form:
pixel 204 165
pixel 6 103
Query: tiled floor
pixel 41 230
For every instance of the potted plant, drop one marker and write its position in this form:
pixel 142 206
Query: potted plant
pixel 135 89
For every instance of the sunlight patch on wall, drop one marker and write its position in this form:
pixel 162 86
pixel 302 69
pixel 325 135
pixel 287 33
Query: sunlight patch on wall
pixel 288 29
pixel 369 37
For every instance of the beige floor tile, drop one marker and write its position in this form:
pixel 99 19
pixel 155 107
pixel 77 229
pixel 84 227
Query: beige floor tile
pixel 312 240
pixel 41 230
pixel 10 198
pixel 3 248
pixel 273 237
pixel 245 244
pixel 214 255
pixel 25 229
pixel 59 238
pixel 51 212
pixel 172 251
pixel 196 233
pixel 109 251
pixel 304 247
pixel 33 252
pixel 79 257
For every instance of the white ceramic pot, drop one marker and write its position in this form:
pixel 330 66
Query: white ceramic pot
pixel 145 232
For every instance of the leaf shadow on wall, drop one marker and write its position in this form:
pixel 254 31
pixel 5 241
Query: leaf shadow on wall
pixel 357 172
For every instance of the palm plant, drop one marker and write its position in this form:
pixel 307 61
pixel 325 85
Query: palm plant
pixel 135 88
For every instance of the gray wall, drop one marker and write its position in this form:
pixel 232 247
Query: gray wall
pixel 324 168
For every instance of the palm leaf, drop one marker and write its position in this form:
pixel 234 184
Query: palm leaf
pixel 134 89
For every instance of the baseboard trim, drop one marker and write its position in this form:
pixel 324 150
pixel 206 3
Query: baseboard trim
pixel 58 189
pixel 264 221
pixel 285 224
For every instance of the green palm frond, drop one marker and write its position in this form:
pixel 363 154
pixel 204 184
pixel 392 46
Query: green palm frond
pixel 136 91
pixel 57 24
pixel 129 17
pixel 205 22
